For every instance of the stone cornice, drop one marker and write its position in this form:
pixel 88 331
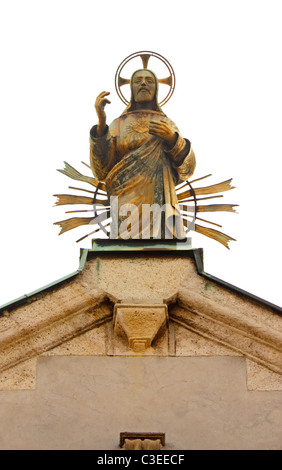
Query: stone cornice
pixel 229 327
pixel 226 325
pixel 76 317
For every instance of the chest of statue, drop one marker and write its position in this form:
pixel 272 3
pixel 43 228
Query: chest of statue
pixel 131 131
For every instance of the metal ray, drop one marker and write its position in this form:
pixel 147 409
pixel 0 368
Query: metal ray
pixel 166 81
pixel 123 81
pixel 145 59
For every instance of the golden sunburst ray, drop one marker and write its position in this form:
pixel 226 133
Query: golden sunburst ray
pixel 211 208
pixel 181 185
pixel 212 189
pixel 101 207
pixel 76 175
pixel 214 234
pixel 188 217
pixel 66 199
pixel 74 222
pixel 82 189
pixel 100 204
pixel 189 195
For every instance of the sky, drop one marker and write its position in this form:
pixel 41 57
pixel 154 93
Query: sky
pixel 57 56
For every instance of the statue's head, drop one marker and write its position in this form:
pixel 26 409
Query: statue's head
pixel 144 89
pixel 143 84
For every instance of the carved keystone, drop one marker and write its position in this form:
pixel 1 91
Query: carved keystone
pixel 140 323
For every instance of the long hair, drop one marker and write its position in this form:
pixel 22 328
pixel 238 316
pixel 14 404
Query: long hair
pixel 132 103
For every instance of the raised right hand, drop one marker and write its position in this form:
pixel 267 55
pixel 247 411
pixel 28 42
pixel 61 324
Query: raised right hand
pixel 100 104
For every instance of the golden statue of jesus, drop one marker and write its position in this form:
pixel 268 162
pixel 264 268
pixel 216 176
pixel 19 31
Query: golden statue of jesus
pixel 141 165
pixel 141 157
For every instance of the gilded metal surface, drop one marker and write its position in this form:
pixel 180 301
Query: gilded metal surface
pixel 145 57
pixel 64 199
pixel 74 174
pixel 142 159
pixel 216 208
pixel 72 223
pixel 214 234
pixel 213 189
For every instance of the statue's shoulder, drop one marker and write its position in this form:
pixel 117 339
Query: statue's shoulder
pixel 172 123
pixel 114 127
pixel 118 121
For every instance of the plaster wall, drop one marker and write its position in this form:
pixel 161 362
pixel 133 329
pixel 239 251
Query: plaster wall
pixel 85 402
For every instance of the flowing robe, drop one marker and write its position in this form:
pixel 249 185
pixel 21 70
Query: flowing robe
pixel 142 170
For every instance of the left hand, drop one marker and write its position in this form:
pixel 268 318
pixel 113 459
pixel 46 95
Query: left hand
pixel 163 130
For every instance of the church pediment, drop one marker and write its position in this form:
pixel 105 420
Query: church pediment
pixel 196 315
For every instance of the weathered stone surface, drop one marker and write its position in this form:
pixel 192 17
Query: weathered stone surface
pixel 261 378
pixel 91 343
pixel 140 323
pixel 229 329
pixel 141 278
pixel 75 318
pixel 190 343
pixel 20 377
pixel 31 333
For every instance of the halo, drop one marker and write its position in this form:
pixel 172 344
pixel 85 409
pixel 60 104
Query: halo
pixel 145 57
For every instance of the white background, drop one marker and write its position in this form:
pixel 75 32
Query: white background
pixel 56 56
